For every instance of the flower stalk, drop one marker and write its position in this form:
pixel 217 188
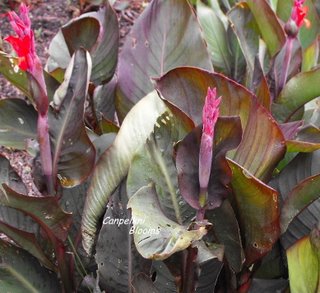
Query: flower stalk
pixel 24 45
pixel 210 116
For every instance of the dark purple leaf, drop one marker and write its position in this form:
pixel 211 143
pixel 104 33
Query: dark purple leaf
pixel 142 283
pixel 43 210
pixel 28 242
pixel 21 272
pixel 275 76
pixel 302 195
pixel 227 232
pixel 271 30
pixel 165 36
pixel 258 213
pixel 73 152
pixel 307 140
pixel 304 165
pixel 262 146
pixel 117 259
pixel 290 129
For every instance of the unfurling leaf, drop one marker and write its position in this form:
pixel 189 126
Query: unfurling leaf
pixel 114 164
pixel 73 152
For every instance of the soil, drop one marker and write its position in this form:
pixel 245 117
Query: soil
pixel 47 16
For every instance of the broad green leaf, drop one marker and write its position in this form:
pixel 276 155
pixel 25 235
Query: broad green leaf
pixel 165 36
pixel 299 90
pixel 263 144
pixel 21 273
pixel 307 140
pixel 310 56
pixel 116 256
pixel 18 122
pixel 258 212
pixel 299 198
pixel 10 70
pixel 238 62
pixel 154 163
pixel 43 210
pixel 215 35
pixel 73 152
pixel 247 32
pixel 245 28
pixel 304 266
pixel 228 135
pixel 157 237
pixel 108 127
pixel 303 166
pixel 269 26
pixel 284 8
pixel 114 164
pixel 28 242
pixel 227 231
pixel 99 34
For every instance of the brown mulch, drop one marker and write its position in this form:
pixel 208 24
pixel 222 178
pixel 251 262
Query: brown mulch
pixel 47 17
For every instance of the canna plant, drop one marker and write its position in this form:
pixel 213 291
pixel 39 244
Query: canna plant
pixel 186 161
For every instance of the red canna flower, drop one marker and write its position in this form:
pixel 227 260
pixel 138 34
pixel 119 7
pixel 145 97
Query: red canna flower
pixel 299 13
pixel 23 42
pixel 209 118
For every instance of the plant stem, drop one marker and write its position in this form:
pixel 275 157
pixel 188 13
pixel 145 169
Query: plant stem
pixel 200 214
pixel 45 150
pixel 189 270
pixel 64 271
pixel 286 63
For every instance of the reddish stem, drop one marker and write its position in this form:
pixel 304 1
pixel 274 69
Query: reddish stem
pixel 45 150
pixel 286 63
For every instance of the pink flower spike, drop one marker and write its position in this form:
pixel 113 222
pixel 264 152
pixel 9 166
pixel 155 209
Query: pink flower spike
pixel 210 116
pixel 23 42
pixel 210 112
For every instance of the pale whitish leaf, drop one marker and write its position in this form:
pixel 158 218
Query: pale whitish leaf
pixel 216 36
pixel 115 162
pixel 157 237
pixel 154 163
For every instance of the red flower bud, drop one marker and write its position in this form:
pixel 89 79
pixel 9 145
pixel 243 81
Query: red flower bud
pixel 298 14
pixel 23 42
